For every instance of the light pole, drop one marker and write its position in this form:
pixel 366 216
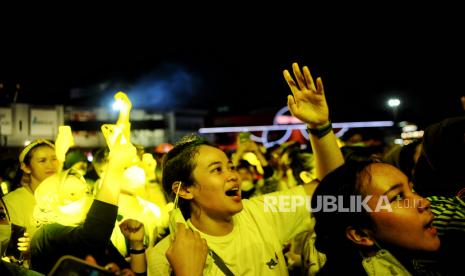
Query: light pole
pixel 394 103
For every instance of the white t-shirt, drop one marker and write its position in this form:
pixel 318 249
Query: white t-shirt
pixel 254 246
pixel 20 204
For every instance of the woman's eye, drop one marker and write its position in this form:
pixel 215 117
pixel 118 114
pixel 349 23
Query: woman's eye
pixel 218 169
pixel 399 197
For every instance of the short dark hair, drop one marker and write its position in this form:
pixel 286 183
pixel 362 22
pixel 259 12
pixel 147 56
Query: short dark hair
pixel 178 165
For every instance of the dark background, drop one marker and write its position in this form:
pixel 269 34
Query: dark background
pixel 231 62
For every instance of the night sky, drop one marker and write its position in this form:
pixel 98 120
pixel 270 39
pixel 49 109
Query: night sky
pixel 236 68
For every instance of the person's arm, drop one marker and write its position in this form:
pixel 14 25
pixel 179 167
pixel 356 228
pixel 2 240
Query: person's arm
pixel 308 104
pixel 187 252
pixel 134 232
pixel 122 155
pixel 119 159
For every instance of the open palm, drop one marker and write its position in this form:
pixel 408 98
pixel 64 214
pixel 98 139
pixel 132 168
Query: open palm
pixel 307 102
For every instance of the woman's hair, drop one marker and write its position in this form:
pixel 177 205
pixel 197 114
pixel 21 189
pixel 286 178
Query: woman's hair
pixel 343 183
pixel 25 157
pixel 178 165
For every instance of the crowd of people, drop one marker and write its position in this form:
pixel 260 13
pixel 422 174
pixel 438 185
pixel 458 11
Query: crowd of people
pixel 329 208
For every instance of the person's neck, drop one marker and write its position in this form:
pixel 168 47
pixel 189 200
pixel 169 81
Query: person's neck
pixel 212 226
pixel 33 185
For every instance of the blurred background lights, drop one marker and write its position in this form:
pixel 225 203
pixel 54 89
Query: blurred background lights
pixel 393 102
pixel 117 105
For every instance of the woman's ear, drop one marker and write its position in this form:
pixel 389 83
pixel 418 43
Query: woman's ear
pixel 359 236
pixel 183 191
pixel 25 168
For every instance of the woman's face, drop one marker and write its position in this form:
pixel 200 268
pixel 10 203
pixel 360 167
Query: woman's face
pixel 216 188
pixel 43 163
pixel 409 224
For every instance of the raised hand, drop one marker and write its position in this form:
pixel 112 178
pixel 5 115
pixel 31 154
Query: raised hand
pixel 307 102
pixel 134 231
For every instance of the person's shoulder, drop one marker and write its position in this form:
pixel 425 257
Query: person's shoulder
pixel 17 194
pixel 157 263
pixel 163 244
pixel 156 256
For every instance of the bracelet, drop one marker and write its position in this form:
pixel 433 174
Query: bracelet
pixel 135 251
pixel 321 131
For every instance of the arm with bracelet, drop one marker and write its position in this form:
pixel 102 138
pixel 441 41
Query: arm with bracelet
pixel 134 232
pixel 308 103
pixel 320 131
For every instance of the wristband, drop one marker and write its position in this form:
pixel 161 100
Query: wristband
pixel 321 131
pixel 139 251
